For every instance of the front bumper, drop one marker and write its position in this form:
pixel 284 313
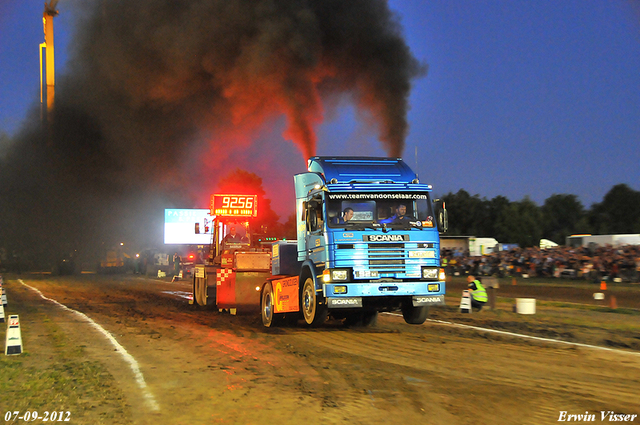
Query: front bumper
pixel 422 293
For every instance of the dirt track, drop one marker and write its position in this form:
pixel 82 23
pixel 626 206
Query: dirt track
pixel 207 367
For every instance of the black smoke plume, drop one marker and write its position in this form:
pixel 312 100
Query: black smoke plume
pixel 150 80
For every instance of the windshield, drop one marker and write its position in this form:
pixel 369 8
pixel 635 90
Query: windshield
pixel 377 210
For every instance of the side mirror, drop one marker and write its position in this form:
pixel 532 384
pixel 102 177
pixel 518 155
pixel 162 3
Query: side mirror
pixel 443 216
pixel 312 220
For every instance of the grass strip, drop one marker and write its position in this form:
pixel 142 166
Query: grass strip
pixel 54 374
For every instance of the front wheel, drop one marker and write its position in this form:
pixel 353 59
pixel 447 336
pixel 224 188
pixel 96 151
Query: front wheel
pixel 314 313
pixel 415 315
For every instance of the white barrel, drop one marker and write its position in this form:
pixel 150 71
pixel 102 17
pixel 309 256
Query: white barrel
pixel 526 305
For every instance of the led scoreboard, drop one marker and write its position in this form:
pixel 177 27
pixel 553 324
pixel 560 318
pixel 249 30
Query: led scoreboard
pixel 234 205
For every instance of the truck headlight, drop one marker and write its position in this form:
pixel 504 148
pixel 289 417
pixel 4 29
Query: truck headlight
pixel 335 275
pixel 429 273
pixel 339 275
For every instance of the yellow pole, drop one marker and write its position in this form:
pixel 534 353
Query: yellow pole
pixel 40 47
pixel 50 58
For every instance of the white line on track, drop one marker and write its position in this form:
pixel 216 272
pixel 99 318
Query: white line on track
pixel 149 399
pixel 178 294
pixel 537 338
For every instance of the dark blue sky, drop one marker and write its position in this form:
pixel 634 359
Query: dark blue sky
pixel 522 98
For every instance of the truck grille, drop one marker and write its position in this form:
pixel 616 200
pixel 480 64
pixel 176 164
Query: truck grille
pixel 383 262
pixel 382 257
pixel 387 246
pixel 387 257
pixel 390 260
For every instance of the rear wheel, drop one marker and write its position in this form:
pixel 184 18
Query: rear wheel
pixel 199 292
pixel 266 305
pixel 415 315
pixel 194 299
pixel 313 312
pixel 203 296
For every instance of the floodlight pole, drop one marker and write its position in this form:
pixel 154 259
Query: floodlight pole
pixel 47 19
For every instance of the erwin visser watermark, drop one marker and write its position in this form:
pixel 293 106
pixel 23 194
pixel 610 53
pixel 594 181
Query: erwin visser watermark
pixel 605 415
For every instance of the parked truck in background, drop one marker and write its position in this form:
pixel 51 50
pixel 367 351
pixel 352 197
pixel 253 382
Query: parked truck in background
pixel 483 246
pixel 114 260
pixel 376 261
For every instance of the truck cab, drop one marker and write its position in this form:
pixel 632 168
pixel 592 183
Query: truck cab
pixel 368 240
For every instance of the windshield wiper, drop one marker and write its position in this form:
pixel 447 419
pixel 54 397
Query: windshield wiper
pixel 403 225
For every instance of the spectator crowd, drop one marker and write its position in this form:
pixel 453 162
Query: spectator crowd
pixel 619 264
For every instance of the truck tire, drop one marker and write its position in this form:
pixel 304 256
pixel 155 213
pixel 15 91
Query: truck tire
pixel 196 291
pixel 200 294
pixel 415 315
pixel 269 318
pixel 314 313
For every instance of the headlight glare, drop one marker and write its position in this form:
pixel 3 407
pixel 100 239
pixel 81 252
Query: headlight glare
pixel 326 276
pixel 337 275
pixel 429 273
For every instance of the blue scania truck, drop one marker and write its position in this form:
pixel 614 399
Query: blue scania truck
pixel 367 241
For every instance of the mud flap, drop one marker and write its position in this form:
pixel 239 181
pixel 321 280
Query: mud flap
pixel 427 300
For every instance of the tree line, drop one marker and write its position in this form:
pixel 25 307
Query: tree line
pixel 522 222
pixel 525 223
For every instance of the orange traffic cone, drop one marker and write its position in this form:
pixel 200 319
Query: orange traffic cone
pixel 603 286
pixel 513 281
pixel 613 303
